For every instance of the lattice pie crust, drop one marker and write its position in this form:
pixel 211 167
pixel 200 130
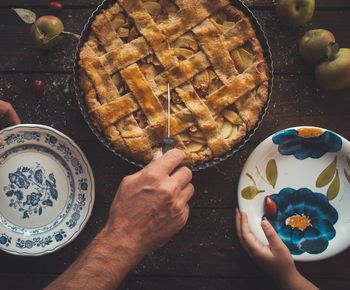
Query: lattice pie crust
pixel 206 49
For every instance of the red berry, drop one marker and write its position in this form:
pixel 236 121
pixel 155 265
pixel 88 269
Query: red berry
pixel 38 87
pixel 55 5
pixel 270 207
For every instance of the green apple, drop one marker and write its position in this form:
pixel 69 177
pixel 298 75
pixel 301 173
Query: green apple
pixel 295 12
pixel 313 45
pixel 46 31
pixel 334 74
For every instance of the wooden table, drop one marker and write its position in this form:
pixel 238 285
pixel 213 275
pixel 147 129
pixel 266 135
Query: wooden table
pixel 206 254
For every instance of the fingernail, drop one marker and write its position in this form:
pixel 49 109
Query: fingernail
pixel 265 223
pixel 157 155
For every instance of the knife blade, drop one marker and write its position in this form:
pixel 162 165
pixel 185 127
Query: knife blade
pixel 168 142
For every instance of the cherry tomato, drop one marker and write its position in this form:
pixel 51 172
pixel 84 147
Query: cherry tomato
pixel 38 87
pixel 270 207
pixel 55 5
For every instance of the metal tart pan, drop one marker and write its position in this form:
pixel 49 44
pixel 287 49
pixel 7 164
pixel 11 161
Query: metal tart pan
pixel 260 34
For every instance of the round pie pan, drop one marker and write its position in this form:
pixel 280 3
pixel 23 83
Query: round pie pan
pixel 79 95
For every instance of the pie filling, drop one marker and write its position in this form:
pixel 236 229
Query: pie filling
pixel 206 50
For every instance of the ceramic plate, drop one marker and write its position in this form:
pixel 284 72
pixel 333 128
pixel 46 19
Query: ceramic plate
pixel 46 190
pixel 306 172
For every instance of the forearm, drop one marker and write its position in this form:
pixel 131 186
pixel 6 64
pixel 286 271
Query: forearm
pixel 103 265
pixel 294 281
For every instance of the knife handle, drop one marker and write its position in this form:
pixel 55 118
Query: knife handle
pixel 168 144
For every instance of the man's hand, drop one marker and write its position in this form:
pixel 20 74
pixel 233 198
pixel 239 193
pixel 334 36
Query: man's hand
pixel 274 258
pixel 149 208
pixel 9 113
pixel 151 205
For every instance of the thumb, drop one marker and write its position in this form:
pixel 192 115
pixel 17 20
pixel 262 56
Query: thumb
pixel 271 235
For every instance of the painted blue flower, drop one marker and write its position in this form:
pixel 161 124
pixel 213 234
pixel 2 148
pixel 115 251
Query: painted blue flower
pixel 83 186
pixel 16 193
pixel 39 176
pixel 3 240
pixel 28 135
pixel 28 244
pixel 58 237
pixel 75 162
pixel 19 179
pixel 304 220
pixel 75 216
pixel 306 142
pixel 34 198
pixel 52 140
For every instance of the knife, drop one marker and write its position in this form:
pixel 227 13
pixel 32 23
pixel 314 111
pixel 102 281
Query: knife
pixel 168 143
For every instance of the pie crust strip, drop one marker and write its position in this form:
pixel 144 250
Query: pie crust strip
pixel 113 111
pixel 187 69
pixel 126 55
pixel 205 120
pixel 190 14
pixel 144 95
pixel 136 139
pixel 100 78
pixel 150 31
pixel 213 44
pixel 237 87
pixel 103 29
pixel 137 49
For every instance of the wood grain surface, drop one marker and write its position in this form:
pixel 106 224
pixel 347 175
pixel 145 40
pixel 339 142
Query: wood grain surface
pixel 206 253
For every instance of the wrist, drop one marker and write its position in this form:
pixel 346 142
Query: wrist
pixel 288 279
pixel 121 243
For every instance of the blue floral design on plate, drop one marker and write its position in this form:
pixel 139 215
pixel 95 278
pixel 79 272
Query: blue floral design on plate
pixel 303 145
pixel 30 191
pixel 305 204
pixel 5 240
pixel 41 241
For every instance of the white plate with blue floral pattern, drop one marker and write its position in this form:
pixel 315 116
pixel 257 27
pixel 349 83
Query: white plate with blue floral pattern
pixel 304 174
pixel 46 190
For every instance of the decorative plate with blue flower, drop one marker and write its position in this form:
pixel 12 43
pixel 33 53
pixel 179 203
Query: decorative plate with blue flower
pixel 46 190
pixel 299 179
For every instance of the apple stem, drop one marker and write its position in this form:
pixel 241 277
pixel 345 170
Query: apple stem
pixel 332 50
pixel 77 36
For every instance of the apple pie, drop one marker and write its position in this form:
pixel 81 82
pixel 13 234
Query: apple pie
pixel 208 52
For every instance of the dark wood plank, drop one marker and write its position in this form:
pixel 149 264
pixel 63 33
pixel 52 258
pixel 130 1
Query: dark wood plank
pixel 207 246
pixel 319 3
pixel 148 283
pixel 56 107
pixel 206 254
pixel 28 281
pixel 93 3
pixel 283 40
pixel 18 52
pixel 39 281
pixel 298 100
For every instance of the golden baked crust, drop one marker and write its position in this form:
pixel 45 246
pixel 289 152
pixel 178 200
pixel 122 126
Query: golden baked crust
pixel 208 52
